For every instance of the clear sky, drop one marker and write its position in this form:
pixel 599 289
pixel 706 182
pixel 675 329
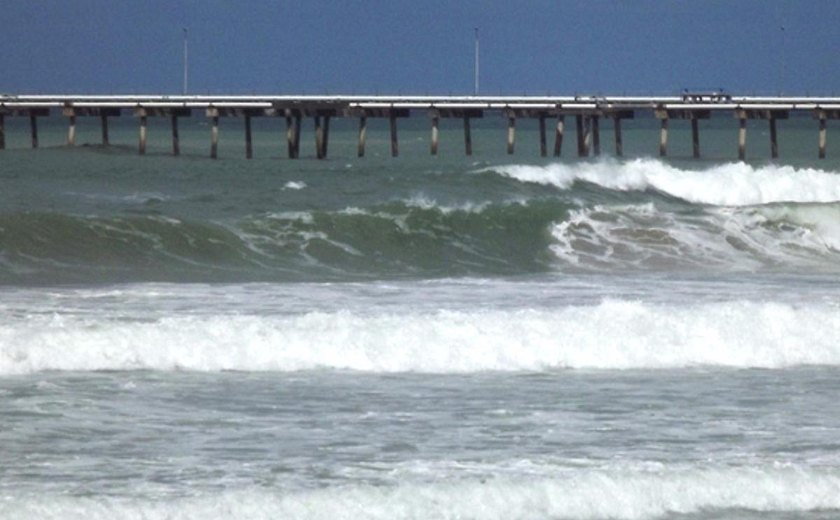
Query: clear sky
pixel 421 47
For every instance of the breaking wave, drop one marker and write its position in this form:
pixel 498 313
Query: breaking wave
pixel 586 494
pixel 615 334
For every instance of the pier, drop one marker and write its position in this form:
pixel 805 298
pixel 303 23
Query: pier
pixel 588 113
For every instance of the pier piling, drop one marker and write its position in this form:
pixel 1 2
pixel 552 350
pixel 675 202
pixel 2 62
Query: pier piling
pixel 558 135
pixel 249 147
pixel 822 138
pixel 71 131
pixel 143 123
pixel 663 137
pixel 433 144
pixel 742 139
pixel 360 151
pixel 176 144
pixel 619 143
pixel 103 118
pixel 395 145
pixel 511 133
pixel 543 146
pixel 468 150
pixel 587 110
pixel 214 136
pixel 33 129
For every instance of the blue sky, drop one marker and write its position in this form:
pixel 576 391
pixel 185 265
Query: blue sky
pixel 421 47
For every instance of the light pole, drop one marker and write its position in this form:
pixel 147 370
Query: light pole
pixel 186 61
pixel 476 61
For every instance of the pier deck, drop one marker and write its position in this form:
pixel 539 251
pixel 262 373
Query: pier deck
pixel 586 110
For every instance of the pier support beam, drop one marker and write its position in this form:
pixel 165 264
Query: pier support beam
pixel 582 128
pixel 433 144
pixel 249 147
pixel 558 135
pixel 395 145
pixel 143 125
pixel 33 130
pixel 596 135
pixel 103 118
pixel 511 134
pixel 619 143
pixel 543 146
pixel 2 132
pixel 663 137
pixel 360 152
pixel 467 136
pixel 823 115
pixel 695 138
pixel 293 134
pixel 774 141
pixel 822 138
pixel 742 138
pixel 319 138
pixel 71 131
pixel 214 137
pixel 176 142
pixel 693 115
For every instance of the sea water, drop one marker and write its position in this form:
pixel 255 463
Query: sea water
pixel 502 337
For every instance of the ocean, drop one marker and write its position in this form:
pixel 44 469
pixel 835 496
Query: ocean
pixel 486 337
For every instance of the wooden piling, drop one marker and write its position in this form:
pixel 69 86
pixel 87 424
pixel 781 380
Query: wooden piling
pixel 296 135
pixel 467 136
pixel 104 120
pixel 176 142
pixel 291 127
pixel 543 147
pixel 558 135
pixel 33 130
pixel 326 144
pixel 319 138
pixel 71 131
pixel 249 148
pixel 822 137
pixel 511 134
pixel 581 144
pixel 143 124
pixel 742 138
pixel 362 136
pixel 2 132
pixel 774 142
pixel 596 135
pixel 214 138
pixel 395 146
pixel 695 138
pixel 433 145
pixel 619 143
pixel 663 137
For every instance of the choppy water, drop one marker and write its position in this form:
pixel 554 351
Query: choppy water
pixel 450 337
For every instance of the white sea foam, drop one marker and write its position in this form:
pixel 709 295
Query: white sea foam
pixel 744 238
pixel 586 494
pixel 614 334
pixel 294 185
pixel 731 184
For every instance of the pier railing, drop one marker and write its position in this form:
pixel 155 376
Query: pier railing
pixel 587 111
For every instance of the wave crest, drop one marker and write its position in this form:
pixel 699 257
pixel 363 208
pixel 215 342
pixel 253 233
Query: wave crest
pixel 731 184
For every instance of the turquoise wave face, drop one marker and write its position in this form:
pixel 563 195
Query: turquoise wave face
pixel 420 239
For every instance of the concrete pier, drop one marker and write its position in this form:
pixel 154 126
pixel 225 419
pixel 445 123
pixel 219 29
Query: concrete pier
pixel 588 112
